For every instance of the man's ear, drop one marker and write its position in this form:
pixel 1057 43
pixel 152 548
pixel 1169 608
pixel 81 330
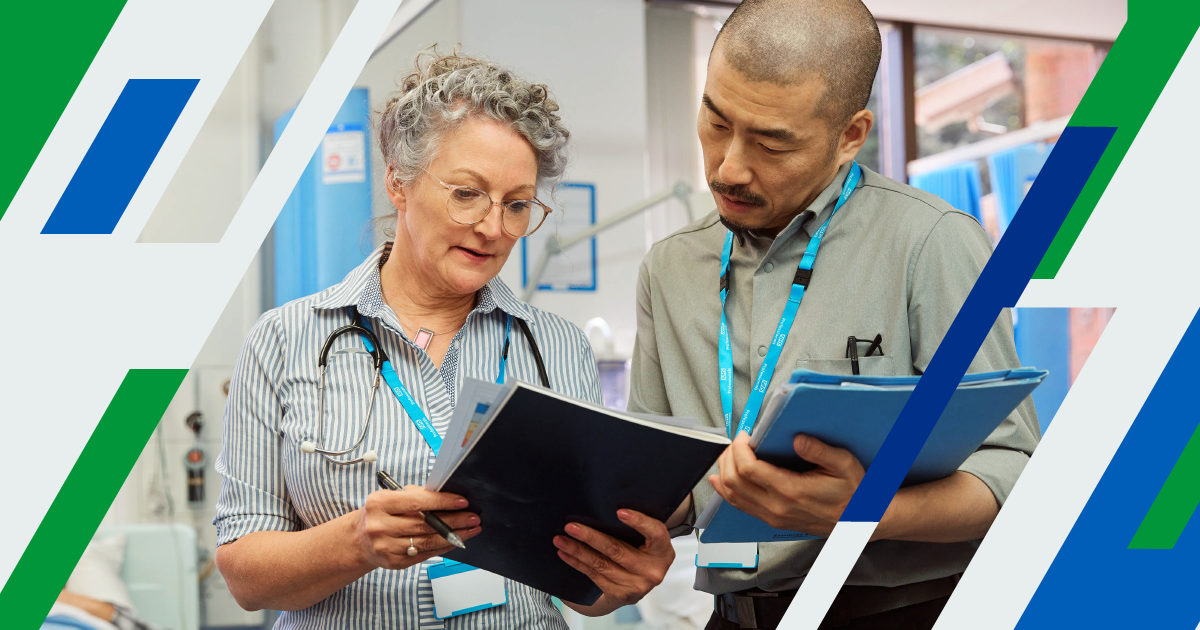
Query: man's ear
pixel 854 135
pixel 395 192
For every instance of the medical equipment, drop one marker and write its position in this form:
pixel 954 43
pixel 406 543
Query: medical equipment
pixel 195 461
pixel 376 352
pixel 374 349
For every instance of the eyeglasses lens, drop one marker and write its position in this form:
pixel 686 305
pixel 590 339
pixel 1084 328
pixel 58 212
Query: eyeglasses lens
pixel 469 205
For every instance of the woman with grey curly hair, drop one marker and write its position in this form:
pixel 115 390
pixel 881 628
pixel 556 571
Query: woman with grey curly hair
pixel 468 144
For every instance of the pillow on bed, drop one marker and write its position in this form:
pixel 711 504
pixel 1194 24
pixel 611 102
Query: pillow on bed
pixel 98 574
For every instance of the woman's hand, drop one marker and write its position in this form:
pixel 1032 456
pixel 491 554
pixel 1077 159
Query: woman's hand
pixel 623 572
pixel 390 519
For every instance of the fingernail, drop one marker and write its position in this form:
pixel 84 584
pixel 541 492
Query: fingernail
pixel 624 515
pixel 801 442
pixel 572 529
pixel 473 520
pixel 560 542
pixel 461 503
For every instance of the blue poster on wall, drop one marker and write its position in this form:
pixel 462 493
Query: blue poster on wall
pixel 574 269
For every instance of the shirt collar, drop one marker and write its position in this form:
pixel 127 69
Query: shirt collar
pixel 814 215
pixel 362 288
pixel 821 207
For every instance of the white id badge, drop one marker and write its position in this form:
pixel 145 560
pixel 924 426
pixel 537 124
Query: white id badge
pixel 460 588
pixel 727 555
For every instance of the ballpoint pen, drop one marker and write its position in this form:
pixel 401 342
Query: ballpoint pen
pixel 387 483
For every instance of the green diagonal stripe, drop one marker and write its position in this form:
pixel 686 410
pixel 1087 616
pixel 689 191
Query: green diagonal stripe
pixel 46 48
pixel 86 496
pixel 1175 503
pixel 1124 91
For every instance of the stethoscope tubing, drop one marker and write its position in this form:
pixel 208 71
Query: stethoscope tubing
pixel 379 358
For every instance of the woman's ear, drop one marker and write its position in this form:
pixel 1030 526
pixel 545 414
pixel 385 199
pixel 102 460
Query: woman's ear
pixel 395 191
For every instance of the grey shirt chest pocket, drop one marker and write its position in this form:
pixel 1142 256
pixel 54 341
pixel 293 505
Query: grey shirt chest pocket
pixel 867 366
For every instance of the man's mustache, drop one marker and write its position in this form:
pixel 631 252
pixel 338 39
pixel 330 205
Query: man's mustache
pixel 738 193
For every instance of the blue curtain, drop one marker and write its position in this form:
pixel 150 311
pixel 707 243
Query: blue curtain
pixel 1011 172
pixel 322 231
pixel 959 184
pixel 1043 339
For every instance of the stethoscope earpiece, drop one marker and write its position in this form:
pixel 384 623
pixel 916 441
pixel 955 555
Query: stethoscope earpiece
pixel 308 447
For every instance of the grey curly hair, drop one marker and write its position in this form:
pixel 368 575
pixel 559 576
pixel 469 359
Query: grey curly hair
pixel 444 90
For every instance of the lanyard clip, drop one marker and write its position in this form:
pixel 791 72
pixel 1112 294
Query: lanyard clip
pixel 802 277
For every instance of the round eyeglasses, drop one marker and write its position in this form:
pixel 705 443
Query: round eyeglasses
pixel 468 205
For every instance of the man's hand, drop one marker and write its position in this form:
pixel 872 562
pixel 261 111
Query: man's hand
pixel 809 502
pixel 623 572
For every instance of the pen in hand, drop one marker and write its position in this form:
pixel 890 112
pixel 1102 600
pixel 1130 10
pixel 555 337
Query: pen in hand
pixel 387 483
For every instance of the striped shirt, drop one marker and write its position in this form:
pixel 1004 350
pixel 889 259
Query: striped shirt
pixel 269 485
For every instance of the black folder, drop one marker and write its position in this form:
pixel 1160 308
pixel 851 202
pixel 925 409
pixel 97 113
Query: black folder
pixel 543 460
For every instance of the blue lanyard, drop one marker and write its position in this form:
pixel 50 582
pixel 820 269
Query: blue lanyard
pixel 422 422
pixel 725 354
pixel 504 351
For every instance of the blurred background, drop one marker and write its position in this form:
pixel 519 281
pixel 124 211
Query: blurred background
pixel 969 100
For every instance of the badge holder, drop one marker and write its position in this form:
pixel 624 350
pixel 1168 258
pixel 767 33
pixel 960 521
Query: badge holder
pixel 460 588
pixel 726 555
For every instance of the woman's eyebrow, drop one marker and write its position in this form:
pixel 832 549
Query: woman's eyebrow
pixel 484 181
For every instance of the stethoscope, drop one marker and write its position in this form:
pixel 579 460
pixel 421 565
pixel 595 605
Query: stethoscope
pixel 383 369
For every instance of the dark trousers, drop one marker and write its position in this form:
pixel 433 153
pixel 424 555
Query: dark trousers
pixel 916 617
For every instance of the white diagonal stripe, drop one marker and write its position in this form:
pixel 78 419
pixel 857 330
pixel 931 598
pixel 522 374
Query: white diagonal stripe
pixel 1111 265
pixel 828 574
pixel 1141 272
pixel 103 303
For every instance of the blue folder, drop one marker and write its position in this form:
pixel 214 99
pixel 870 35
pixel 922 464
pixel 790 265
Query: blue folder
pixel 856 413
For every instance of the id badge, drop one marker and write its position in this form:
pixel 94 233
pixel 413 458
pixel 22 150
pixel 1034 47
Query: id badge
pixel 727 555
pixel 460 588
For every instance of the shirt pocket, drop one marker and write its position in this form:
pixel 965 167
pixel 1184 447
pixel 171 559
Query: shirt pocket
pixel 867 366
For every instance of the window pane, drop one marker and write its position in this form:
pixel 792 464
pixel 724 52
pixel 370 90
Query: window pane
pixel 975 86
pixel 868 155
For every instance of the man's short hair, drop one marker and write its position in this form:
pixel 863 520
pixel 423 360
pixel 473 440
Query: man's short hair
pixel 787 41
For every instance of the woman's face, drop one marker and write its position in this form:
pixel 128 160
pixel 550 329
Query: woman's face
pixel 460 259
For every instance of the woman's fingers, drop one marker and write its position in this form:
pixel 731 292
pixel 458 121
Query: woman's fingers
pixel 417 499
pixel 411 501
pixel 392 521
pixel 411 525
pixel 658 539
pixel 428 546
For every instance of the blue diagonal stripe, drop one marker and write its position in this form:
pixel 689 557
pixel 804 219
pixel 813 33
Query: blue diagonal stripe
pixel 1097 580
pixel 999 285
pixel 113 167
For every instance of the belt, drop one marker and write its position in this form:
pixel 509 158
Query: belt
pixel 755 608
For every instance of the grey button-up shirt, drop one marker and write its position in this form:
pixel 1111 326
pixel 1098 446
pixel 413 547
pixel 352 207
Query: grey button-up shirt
pixel 895 261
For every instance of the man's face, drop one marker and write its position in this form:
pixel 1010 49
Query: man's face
pixel 767 154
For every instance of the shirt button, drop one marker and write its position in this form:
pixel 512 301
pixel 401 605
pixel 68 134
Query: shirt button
pixel 762 351
pixel 768 267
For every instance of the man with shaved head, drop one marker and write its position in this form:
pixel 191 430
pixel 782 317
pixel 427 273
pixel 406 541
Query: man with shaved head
pixel 781 120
